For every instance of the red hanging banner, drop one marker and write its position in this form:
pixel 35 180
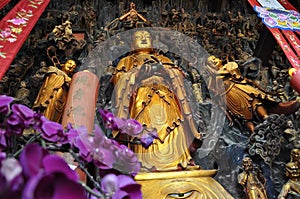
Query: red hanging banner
pixel 287 5
pixel 3 3
pixel 15 28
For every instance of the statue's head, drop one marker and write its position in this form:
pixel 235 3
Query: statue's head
pixel 292 170
pixel 247 164
pixel 216 61
pixel 141 40
pixel 69 66
pixel 295 155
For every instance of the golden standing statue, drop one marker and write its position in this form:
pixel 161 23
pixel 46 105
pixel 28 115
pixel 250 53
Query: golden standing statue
pixel 252 180
pixel 150 89
pixel 244 99
pixel 52 96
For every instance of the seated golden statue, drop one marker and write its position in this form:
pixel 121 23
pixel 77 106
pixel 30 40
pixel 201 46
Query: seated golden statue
pixel 149 88
pixel 52 96
pixel 252 180
pixel 244 99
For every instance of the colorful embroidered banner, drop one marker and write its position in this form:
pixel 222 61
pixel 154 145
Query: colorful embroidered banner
pixel 287 39
pixel 279 18
pixel 270 4
pixel 15 28
pixel 3 3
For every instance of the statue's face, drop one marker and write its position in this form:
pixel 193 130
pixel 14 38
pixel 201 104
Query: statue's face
pixel 295 154
pixel 142 40
pixel 69 66
pixel 292 170
pixel 216 61
pixel 247 163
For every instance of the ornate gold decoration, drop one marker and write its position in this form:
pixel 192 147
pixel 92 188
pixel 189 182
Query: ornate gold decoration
pixel 194 183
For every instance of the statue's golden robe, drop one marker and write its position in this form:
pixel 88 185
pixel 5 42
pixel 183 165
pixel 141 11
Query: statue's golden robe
pixel 156 97
pixel 52 96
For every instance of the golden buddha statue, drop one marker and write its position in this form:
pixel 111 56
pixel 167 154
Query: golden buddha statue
pixel 52 96
pixel 149 88
pixel 244 99
pixel 252 180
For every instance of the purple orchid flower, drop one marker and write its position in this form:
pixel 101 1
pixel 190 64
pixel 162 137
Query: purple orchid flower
pixel 147 139
pixel 11 178
pixel 14 126
pixel 5 102
pixel 2 156
pixel 126 160
pixel 55 186
pixel 24 113
pixel 3 142
pixel 53 132
pixel 31 159
pixel 84 143
pixel 49 176
pixel 126 126
pixel 21 118
pixel 121 186
pixel 108 118
pixel 132 127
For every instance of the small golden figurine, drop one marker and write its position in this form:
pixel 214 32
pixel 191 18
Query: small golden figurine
pixel 132 18
pixel 292 186
pixel 244 99
pixel 151 86
pixel 252 180
pixel 52 96
pixel 295 156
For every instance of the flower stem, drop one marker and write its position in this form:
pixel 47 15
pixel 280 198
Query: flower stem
pixel 32 139
pixel 88 189
pixel 91 178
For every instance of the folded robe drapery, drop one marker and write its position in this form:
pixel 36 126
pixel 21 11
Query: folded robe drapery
pixel 15 28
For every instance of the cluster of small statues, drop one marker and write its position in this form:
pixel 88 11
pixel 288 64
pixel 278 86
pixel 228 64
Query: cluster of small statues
pixel 254 183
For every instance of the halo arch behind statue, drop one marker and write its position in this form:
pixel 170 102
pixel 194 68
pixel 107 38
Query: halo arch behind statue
pixel 178 46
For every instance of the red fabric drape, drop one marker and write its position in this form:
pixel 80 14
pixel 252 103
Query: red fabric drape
pixel 3 3
pixel 15 28
pixel 287 39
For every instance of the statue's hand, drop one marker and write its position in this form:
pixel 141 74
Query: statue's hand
pixel 157 67
pixel 148 70
pixel 153 79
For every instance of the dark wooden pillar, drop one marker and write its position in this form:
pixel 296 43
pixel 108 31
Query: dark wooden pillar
pixel 265 46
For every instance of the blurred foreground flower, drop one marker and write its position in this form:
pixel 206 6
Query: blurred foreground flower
pixel 29 168
pixel 38 174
